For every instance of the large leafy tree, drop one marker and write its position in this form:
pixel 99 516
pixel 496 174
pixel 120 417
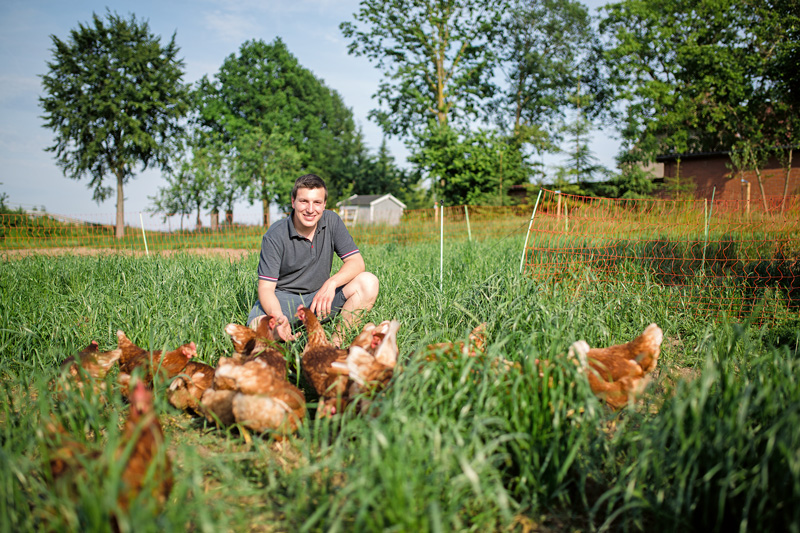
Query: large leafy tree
pixel 542 58
pixel 704 75
pixel 435 56
pixel 280 118
pixel 438 64
pixel 114 97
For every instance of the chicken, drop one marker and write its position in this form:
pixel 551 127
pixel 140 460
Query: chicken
pixel 259 343
pixel 319 354
pixel 87 367
pixel 67 454
pixel 141 453
pixel 216 403
pixel 186 390
pixel 262 400
pixel 168 365
pixel 372 366
pixel 617 374
pixel 143 450
pixel 476 345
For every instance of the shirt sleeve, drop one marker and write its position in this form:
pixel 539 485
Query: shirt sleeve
pixel 269 262
pixel 343 243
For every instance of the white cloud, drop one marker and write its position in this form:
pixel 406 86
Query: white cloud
pixel 231 27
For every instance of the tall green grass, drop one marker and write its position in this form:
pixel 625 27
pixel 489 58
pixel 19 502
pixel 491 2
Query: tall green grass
pixel 449 446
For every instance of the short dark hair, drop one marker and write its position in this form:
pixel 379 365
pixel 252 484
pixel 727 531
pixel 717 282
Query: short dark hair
pixel 309 181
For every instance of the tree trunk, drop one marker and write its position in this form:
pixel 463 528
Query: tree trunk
pixel 214 220
pixel 198 222
pixel 761 188
pixel 786 181
pixel 120 233
pixel 265 210
pixel 229 216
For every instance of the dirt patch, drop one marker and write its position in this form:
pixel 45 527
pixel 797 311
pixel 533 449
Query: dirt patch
pixel 233 254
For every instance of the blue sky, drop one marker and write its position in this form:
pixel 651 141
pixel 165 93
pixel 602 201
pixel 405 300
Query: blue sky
pixel 207 31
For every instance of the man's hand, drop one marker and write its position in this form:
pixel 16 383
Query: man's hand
pixel 323 301
pixel 283 330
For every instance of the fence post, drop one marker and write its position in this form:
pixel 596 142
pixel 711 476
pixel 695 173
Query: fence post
pixel 558 207
pixel 746 197
pixel 469 231
pixel 707 215
pixel 441 250
pixel 141 220
pixel 530 224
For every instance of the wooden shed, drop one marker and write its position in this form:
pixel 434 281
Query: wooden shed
pixel 371 209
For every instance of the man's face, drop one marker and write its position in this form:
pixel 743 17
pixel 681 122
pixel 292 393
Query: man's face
pixel 308 206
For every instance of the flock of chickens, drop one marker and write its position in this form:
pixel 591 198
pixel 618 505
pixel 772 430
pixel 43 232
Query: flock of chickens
pixel 250 388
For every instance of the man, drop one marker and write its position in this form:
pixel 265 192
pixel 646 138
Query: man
pixel 295 265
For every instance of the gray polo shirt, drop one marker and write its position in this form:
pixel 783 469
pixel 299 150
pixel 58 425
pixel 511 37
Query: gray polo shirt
pixel 298 265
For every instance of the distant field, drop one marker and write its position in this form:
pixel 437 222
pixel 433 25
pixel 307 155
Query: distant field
pixel 450 447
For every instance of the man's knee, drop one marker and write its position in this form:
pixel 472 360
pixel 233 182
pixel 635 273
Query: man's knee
pixel 370 285
pixel 365 288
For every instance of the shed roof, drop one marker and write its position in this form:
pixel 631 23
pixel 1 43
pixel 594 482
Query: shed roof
pixel 370 200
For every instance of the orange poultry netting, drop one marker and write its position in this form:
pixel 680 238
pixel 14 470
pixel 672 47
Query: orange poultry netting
pixel 43 231
pixel 725 258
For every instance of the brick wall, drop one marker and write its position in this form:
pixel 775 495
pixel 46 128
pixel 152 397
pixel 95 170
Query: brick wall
pixel 710 171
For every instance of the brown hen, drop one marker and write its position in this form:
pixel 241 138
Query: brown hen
pixel 188 387
pixel 148 452
pixel 263 400
pixel 87 367
pixel 372 367
pixel 317 365
pixel 168 364
pixel 259 343
pixel 617 374
pixel 142 452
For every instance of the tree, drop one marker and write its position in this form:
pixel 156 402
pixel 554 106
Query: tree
pixel 114 98
pixel 703 75
pixel 435 56
pixel 542 58
pixel 582 164
pixel 174 199
pixel 467 167
pixel 280 118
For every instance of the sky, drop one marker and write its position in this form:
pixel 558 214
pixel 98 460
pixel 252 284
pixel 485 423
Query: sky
pixel 207 31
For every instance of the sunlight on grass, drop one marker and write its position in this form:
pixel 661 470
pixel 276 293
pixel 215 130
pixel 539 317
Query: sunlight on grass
pixel 459 445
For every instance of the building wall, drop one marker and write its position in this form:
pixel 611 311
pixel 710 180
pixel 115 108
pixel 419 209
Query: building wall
pixel 387 212
pixel 713 171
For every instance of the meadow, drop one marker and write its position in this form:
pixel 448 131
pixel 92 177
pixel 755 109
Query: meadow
pixel 461 446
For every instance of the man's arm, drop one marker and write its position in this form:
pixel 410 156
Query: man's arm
pixel 271 305
pixel 321 305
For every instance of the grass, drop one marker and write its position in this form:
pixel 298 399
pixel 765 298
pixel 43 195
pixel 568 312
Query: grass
pixel 448 447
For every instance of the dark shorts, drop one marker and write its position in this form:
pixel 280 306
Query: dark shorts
pixel 290 301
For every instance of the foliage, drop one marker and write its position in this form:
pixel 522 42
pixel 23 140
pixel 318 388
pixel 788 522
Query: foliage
pixel 581 164
pixel 632 181
pixel 721 454
pixel 114 98
pixel 542 58
pixel 699 76
pixel 466 167
pixel 378 174
pixel 435 57
pixel 280 119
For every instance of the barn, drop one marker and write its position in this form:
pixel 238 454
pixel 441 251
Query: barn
pixel 371 209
